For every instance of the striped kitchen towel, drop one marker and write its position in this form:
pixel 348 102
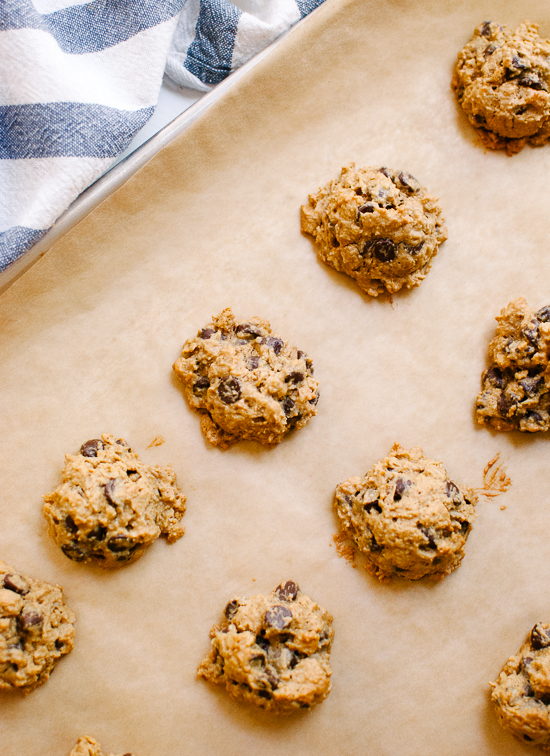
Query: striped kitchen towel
pixel 78 79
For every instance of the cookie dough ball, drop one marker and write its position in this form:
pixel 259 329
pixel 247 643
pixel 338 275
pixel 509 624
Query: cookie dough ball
pixel 516 386
pixel 502 82
pixel 246 382
pixel 111 506
pixel 36 629
pixel 378 225
pixel 272 651
pixel 89 747
pixel 406 516
pixel 521 695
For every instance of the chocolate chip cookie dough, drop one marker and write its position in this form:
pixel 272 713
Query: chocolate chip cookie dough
pixel 36 629
pixel 377 225
pixel 111 506
pixel 246 382
pixel 521 695
pixel 516 386
pixel 89 747
pixel 502 82
pixel 272 651
pixel 406 516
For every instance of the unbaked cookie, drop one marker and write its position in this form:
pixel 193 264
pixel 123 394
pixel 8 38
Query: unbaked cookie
pixel 272 651
pixel 406 516
pixel 36 629
pixel 516 385
pixel 246 382
pixel 111 506
pixel 89 747
pixel 521 695
pixel 378 225
pixel 502 82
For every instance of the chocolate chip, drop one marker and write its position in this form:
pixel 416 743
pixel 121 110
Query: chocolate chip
pixel 288 405
pixel 520 64
pixel 428 533
pixel 98 534
pixel 229 390
pixel 295 377
pixel 400 486
pixel 301 355
pixel 531 332
pixel 489 50
pixel 201 385
pixel 385 171
pixel 109 489
pixel 413 250
pixel 451 489
pixel 119 543
pixel 73 552
pixel 246 330
pixel 485 30
pixel 532 80
pixel 16 646
pixel 206 333
pixel 465 527
pixel 534 417
pixel 504 404
pixel 278 617
pixel 315 398
pixel 530 385
pixel 375 546
pixel 264 694
pixel 273 681
pixel 543 314
pixel 309 366
pixel 16 583
pixel 368 208
pixel 231 609
pixel 383 249
pixel 493 377
pixel 405 179
pixel 262 642
pixel 287 592
pixel 70 524
pixel 274 343
pixel 528 690
pixel 31 618
pixel 254 362
pixel 370 505
pixel 540 636
pixel 91 448
pixel 526 737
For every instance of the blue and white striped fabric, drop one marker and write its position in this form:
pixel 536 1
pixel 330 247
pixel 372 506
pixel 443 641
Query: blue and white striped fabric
pixel 78 79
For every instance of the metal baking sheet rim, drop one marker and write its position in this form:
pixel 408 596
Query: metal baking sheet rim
pixel 115 177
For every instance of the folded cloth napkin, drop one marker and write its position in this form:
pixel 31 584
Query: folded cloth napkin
pixel 78 80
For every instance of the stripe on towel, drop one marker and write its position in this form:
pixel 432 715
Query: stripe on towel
pixel 69 129
pixel 209 55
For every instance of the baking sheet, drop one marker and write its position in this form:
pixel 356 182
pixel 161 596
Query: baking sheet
pixel 88 337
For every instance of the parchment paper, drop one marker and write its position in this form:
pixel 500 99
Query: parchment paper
pixel 88 339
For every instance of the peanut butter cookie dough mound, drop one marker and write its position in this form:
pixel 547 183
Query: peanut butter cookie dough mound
pixel 89 747
pixel 406 516
pixel 521 695
pixel 378 226
pixel 36 629
pixel 111 506
pixel 272 651
pixel 246 382
pixel 502 82
pixel 516 386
